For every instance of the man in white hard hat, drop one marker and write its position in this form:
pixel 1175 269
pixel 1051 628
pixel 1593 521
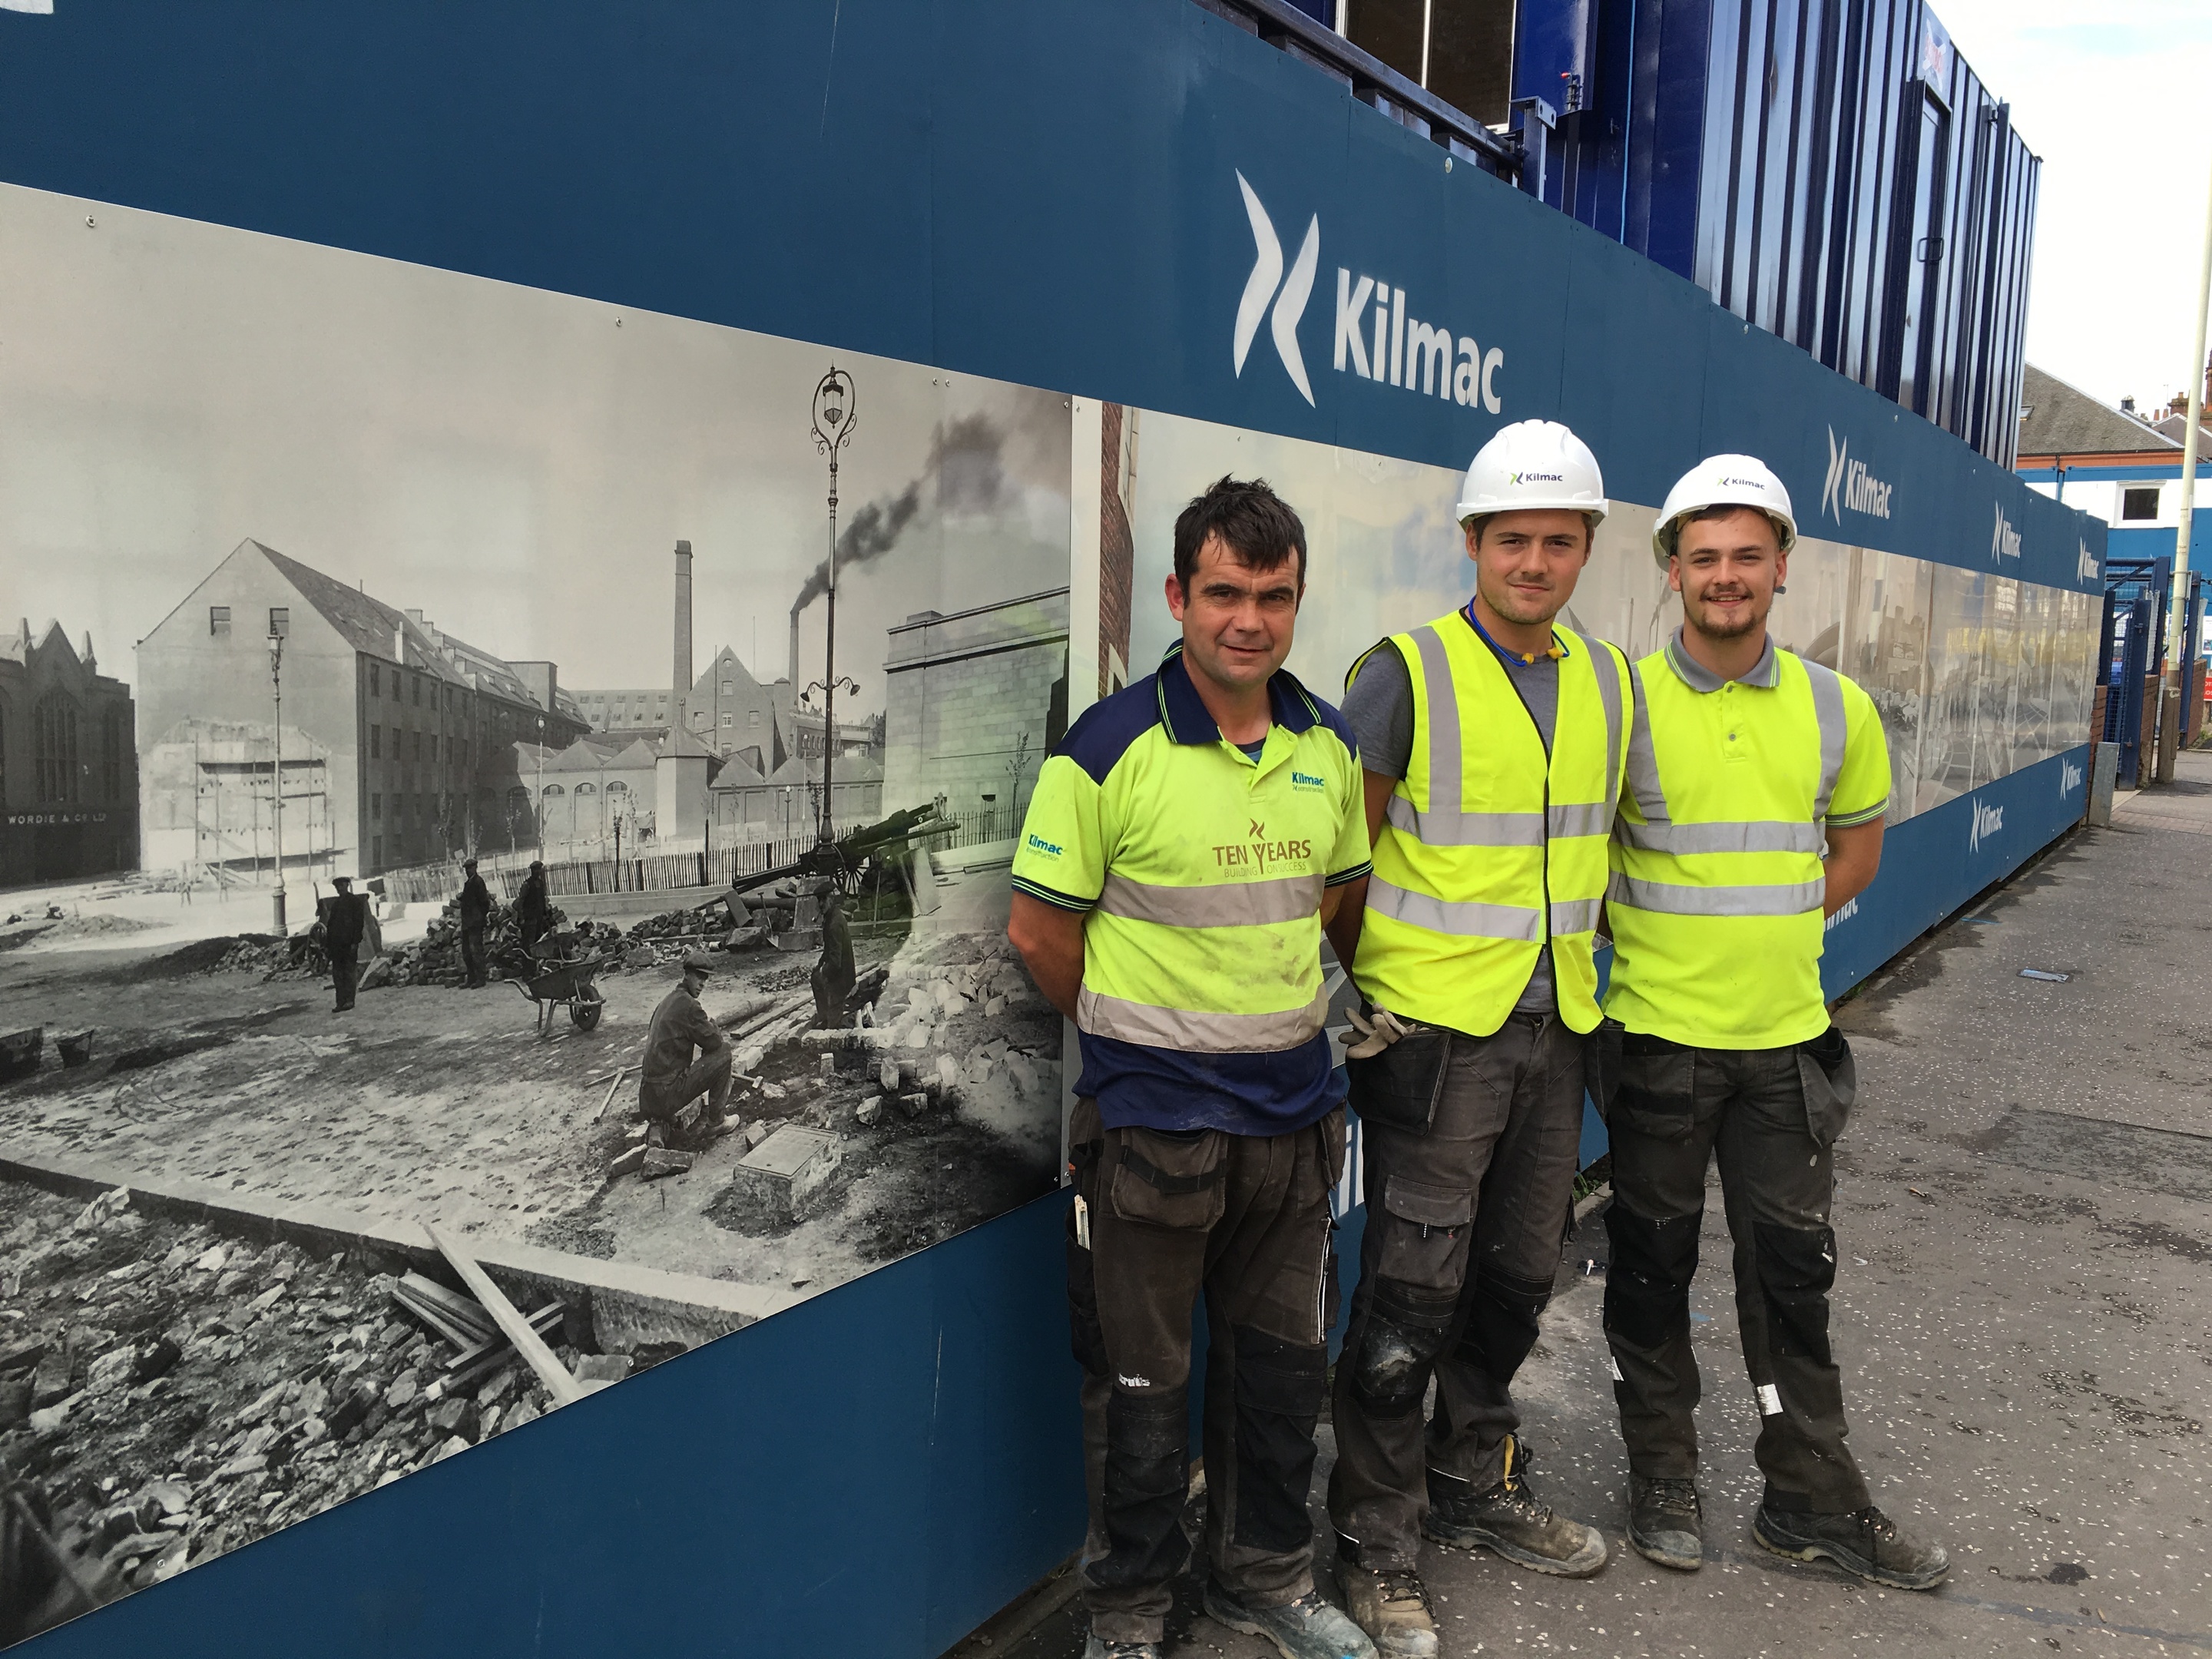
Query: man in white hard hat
pixel 1757 783
pixel 1493 742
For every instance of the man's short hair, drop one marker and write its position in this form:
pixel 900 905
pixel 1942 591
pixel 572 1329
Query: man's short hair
pixel 1725 509
pixel 1258 526
pixel 1474 522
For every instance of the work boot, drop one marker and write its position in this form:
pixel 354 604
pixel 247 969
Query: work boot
pixel 1391 1604
pixel 1308 1628
pixel 1098 1647
pixel 1509 1518
pixel 1864 1541
pixel 1663 1517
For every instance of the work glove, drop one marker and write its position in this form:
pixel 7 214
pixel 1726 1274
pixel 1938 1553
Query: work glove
pixel 1375 1034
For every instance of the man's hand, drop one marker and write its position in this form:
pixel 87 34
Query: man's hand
pixel 1050 941
pixel 1854 856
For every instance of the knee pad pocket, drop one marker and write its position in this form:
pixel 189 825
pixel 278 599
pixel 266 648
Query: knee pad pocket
pixel 1280 1387
pixel 1647 1290
pixel 1147 1480
pixel 1796 1270
pixel 1401 1339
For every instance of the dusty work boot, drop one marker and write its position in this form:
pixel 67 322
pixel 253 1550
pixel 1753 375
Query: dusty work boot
pixel 1864 1541
pixel 1663 1521
pixel 1308 1628
pixel 1391 1604
pixel 1098 1647
pixel 1509 1518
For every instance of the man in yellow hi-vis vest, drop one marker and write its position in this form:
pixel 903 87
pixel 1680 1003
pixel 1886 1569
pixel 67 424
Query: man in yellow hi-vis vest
pixel 1492 742
pixel 1757 783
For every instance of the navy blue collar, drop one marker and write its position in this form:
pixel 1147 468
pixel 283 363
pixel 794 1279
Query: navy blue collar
pixel 1558 652
pixel 1183 712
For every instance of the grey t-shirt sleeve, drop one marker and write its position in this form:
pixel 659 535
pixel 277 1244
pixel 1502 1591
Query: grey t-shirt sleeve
pixel 1378 705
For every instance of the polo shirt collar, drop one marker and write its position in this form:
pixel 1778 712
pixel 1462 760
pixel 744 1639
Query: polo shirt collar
pixel 1766 674
pixel 1183 713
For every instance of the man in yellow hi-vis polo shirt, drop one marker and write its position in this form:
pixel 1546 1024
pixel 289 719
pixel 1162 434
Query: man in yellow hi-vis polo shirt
pixel 1757 783
pixel 1186 841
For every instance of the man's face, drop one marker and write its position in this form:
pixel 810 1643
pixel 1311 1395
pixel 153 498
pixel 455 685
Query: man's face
pixel 1527 563
pixel 1236 621
pixel 694 981
pixel 1726 569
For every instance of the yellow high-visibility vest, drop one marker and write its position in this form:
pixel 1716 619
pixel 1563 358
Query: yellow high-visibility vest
pixel 1718 893
pixel 1489 850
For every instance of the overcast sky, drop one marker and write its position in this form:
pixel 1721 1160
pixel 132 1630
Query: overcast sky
pixel 516 463
pixel 2113 95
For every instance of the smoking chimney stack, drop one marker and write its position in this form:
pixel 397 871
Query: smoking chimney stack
pixel 682 688
pixel 794 657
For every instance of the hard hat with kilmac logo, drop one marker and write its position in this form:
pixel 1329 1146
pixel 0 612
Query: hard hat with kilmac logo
pixel 1723 481
pixel 1532 465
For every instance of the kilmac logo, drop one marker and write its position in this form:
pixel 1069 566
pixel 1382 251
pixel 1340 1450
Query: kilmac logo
pixel 1849 484
pixel 1375 339
pixel 1988 821
pixel 2069 777
pixel 1305 783
pixel 2085 567
pixel 1851 908
pixel 2004 540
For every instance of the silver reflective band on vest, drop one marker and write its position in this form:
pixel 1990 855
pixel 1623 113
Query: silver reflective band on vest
pixel 1827 688
pixel 1440 826
pixel 1461 920
pixel 1672 899
pixel 1642 761
pixel 1197 1032
pixel 1223 905
pixel 1576 916
pixel 1751 837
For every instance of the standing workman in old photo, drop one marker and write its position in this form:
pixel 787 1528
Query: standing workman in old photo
pixel 345 925
pixel 1186 841
pixel 1492 741
pixel 835 974
pixel 687 1055
pixel 1757 783
pixel 533 906
pixel 476 917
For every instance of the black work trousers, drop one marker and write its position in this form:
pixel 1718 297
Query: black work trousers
pixel 345 974
pixel 1465 1214
pixel 1768 1116
pixel 472 953
pixel 1244 1221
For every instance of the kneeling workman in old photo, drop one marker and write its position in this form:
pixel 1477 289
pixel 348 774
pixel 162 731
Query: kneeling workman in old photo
pixel 1186 841
pixel 1492 741
pixel 1757 783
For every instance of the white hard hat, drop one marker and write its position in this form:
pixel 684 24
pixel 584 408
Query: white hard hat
pixel 1723 481
pixel 1532 466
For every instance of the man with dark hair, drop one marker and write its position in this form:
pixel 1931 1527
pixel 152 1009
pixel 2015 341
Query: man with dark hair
pixel 533 906
pixel 345 925
pixel 1757 785
pixel 1187 840
pixel 476 916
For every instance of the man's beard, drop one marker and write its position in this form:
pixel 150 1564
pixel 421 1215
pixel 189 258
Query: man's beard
pixel 1521 608
pixel 1725 628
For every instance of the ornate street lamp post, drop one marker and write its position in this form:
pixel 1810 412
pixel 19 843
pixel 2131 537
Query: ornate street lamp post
pixel 276 766
pixel 835 414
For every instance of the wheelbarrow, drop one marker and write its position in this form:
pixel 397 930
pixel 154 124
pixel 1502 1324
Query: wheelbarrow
pixel 566 985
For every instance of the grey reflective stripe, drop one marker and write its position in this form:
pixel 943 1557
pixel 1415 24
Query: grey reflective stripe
pixel 1828 709
pixel 1223 904
pixel 1642 761
pixel 1444 782
pixel 1199 1032
pixel 1606 667
pixel 1594 819
pixel 1751 837
pixel 1668 898
pixel 1441 827
pixel 1461 920
pixel 1576 916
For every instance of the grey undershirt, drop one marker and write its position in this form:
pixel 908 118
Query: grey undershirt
pixel 1378 705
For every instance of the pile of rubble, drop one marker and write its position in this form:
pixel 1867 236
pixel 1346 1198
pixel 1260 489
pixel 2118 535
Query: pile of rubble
pixel 296 957
pixel 168 1393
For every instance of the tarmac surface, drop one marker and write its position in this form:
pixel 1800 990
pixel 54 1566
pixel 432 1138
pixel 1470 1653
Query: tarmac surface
pixel 2023 1314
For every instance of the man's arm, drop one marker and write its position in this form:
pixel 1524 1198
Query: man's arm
pixel 1854 856
pixel 1050 939
pixel 1343 908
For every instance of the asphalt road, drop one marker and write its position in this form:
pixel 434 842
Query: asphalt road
pixel 2023 1313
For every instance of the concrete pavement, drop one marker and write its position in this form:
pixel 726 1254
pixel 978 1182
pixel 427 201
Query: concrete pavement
pixel 2024 1218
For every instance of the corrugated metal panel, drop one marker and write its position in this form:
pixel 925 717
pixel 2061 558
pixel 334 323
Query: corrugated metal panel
pixel 1831 170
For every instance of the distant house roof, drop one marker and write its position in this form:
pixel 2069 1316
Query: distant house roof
pixel 2058 419
pixel 2176 428
pixel 738 773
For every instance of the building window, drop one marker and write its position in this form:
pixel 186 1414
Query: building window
pixel 376 743
pixel 280 621
pixel 53 748
pixel 115 736
pixel 219 621
pixel 729 719
pixel 754 720
pixel 729 688
pixel 2139 503
pixel 376 809
pixel 418 690
pixel 418 745
pixel 376 852
pixel 375 680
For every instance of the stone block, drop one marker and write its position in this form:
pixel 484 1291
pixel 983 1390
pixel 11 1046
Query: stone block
pixel 602 1367
pixel 777 1183
pixel 661 1161
pixel 628 1162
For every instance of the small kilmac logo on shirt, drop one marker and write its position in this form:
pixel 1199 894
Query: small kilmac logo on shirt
pixel 1039 844
pixel 1306 781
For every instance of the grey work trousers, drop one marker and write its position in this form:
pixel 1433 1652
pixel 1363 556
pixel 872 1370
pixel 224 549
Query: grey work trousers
pixel 1768 1116
pixel 1244 1221
pixel 1464 1221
